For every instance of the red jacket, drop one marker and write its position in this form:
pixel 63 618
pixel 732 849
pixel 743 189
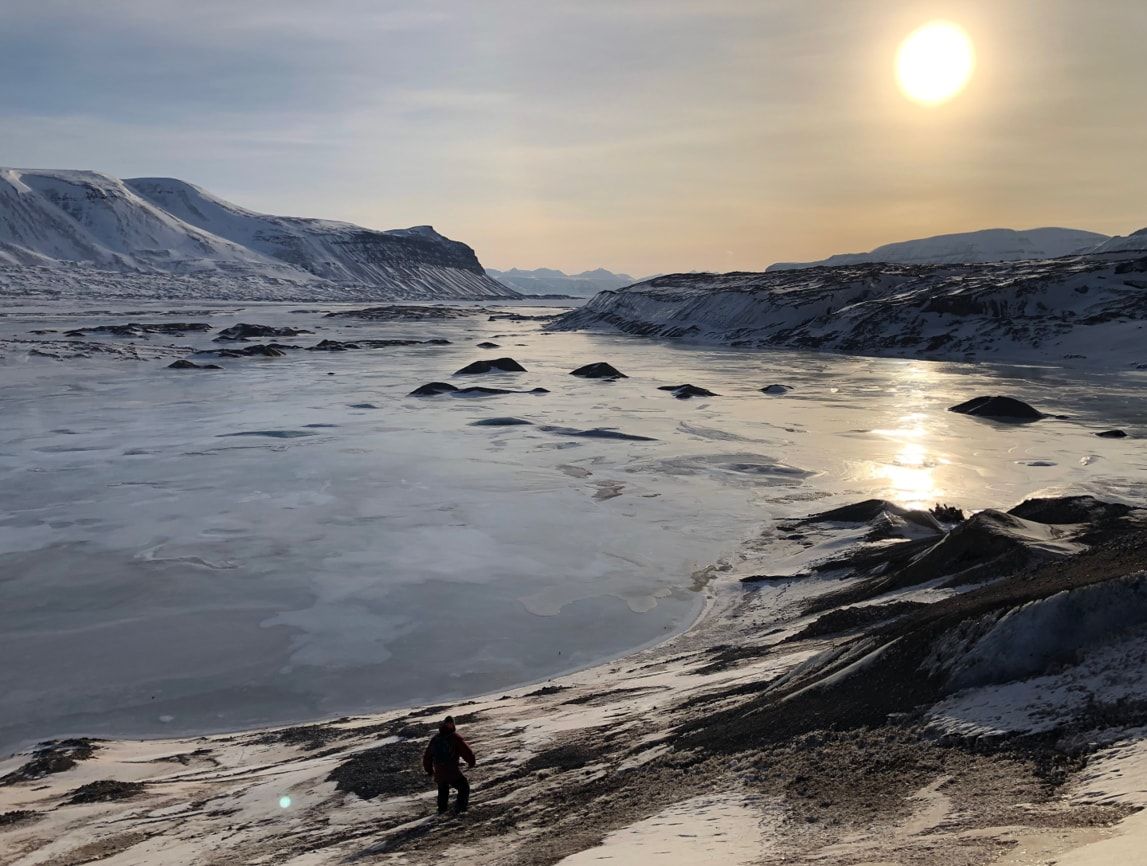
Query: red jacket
pixel 443 753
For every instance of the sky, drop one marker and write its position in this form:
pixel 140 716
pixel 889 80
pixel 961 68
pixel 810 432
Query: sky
pixel 645 136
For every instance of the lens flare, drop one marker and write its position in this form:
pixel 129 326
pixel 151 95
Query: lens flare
pixel 935 62
pixel 284 802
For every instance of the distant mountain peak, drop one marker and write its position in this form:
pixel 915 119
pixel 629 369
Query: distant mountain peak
pixel 542 281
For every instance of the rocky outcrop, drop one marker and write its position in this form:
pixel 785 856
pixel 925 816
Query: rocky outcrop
pixel 341 346
pixel 245 331
pixel 184 364
pixel 137 329
pixel 684 392
pixel 434 389
pixel 1045 310
pixel 600 370
pixel 998 408
pixel 258 350
pixel 498 365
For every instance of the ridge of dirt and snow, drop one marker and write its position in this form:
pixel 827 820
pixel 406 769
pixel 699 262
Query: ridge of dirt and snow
pixel 1005 714
pixel 1083 308
pixel 986 245
pixel 66 232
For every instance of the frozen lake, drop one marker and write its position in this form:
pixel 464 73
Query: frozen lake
pixel 193 551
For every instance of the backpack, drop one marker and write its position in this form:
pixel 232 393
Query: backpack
pixel 443 751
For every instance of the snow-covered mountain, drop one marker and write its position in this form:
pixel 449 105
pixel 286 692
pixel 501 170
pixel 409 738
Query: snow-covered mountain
pixel 547 281
pixel 1134 242
pixel 53 220
pixel 989 245
pixel 1085 307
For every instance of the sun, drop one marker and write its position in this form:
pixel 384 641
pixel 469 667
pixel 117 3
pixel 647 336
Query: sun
pixel 935 62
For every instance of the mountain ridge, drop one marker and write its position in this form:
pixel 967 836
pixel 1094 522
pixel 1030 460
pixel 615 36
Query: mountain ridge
pixel 975 247
pixel 59 218
pixel 1086 308
pixel 553 281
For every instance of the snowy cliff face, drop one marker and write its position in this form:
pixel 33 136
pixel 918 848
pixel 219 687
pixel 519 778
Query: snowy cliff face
pixel 165 226
pixel 1084 307
pixel 989 245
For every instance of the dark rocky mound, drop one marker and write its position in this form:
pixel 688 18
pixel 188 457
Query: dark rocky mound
pixel 501 422
pixel 503 365
pixel 340 346
pixel 478 391
pixel 876 511
pixel 600 370
pixel 245 331
pixel 999 408
pixel 776 389
pixel 596 433
pixel 363 406
pixel 986 545
pixel 1071 509
pixel 105 791
pixel 403 313
pixel 55 756
pixel 258 350
pixel 434 389
pixel 849 618
pixel 184 364
pixel 137 329
pixel 272 434
pixel 1030 620
pixel 521 317
pixel 1112 434
pixel 393 770
pixel 488 345
pixel 18 816
pixel 684 392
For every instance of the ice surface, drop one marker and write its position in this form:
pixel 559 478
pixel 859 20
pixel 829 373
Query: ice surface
pixel 159 574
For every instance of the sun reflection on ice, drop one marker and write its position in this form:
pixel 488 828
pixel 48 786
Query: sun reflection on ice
pixel 909 472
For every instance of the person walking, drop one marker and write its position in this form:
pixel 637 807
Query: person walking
pixel 440 760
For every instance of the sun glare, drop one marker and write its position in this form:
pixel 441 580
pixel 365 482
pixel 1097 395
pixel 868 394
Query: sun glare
pixel 935 62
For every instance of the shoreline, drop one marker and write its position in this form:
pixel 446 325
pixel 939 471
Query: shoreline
pixel 703 609
pixel 760 727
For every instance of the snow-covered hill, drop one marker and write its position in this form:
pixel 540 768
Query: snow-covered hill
pixel 1134 242
pixel 53 222
pixel 989 245
pixel 547 281
pixel 1087 307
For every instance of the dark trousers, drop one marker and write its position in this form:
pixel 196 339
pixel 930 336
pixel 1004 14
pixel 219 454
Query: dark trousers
pixel 461 786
